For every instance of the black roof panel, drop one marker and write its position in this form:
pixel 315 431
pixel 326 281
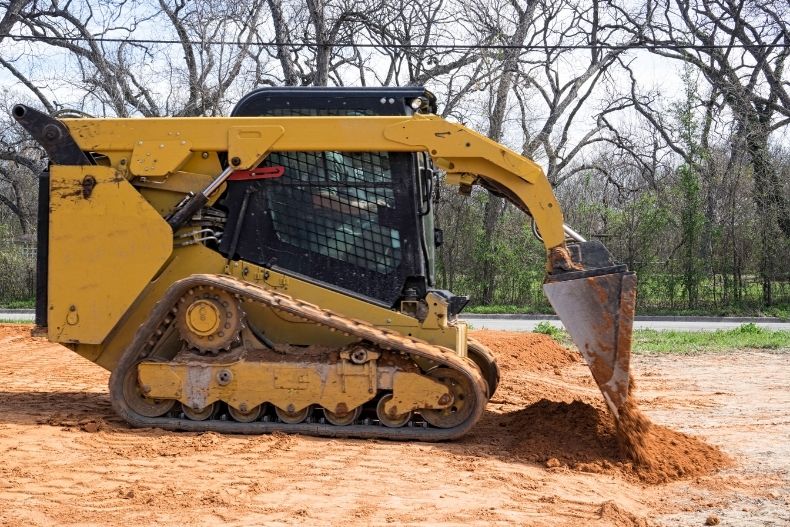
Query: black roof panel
pixel 387 100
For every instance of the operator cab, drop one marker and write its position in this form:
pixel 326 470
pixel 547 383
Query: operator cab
pixel 358 222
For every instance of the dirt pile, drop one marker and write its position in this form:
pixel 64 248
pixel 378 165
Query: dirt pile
pixel 518 350
pixel 583 436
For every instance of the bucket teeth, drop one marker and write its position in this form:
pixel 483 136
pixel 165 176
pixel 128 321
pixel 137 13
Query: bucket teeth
pixel 598 313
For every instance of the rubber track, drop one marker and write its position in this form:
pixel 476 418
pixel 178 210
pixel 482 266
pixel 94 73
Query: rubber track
pixel 161 319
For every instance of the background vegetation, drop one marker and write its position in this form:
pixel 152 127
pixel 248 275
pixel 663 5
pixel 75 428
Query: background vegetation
pixel 685 176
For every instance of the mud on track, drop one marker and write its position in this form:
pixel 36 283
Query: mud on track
pixel 544 453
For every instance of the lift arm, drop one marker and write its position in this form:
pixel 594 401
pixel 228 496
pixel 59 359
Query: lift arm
pixel 156 147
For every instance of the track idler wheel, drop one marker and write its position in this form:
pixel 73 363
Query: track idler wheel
pixel 391 421
pixel 486 362
pixel 137 401
pixel 463 399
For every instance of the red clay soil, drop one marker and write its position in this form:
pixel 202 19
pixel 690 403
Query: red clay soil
pixel 618 517
pixel 524 350
pixel 14 332
pixel 582 435
pixel 554 421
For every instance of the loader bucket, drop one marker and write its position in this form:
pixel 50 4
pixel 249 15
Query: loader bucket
pixel 598 313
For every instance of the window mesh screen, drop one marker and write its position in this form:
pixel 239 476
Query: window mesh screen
pixel 348 220
pixel 331 203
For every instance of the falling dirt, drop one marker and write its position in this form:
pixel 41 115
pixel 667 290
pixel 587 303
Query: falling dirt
pixel 545 453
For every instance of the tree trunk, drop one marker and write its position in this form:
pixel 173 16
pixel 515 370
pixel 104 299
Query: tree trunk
pixel 767 198
pixel 496 205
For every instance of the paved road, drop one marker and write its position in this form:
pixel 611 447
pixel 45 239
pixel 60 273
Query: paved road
pixel 524 323
pixel 695 324
pixel 17 315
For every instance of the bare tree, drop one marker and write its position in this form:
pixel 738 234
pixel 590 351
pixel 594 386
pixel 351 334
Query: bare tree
pixel 20 163
pixel 553 100
pixel 122 76
pixel 741 48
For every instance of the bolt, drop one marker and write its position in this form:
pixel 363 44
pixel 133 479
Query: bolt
pixel 51 132
pixel 204 155
pixel 235 161
pixel 445 399
pixel 224 377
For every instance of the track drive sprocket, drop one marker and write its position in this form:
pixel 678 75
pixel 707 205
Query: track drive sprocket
pixel 209 319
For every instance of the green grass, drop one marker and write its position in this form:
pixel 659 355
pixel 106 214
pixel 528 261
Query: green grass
pixel 547 328
pixel 745 336
pixel 781 312
pixel 645 341
pixel 18 304
pixel 9 321
pixel 509 309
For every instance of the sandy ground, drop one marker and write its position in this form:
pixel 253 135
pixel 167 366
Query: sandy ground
pixel 56 468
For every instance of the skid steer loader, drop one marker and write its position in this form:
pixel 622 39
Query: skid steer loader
pixel 274 270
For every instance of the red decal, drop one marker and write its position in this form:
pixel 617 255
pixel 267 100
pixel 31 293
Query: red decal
pixel 271 172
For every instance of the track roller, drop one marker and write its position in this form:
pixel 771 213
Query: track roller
pixel 343 419
pixel 293 418
pixel 248 416
pixel 391 421
pixel 199 414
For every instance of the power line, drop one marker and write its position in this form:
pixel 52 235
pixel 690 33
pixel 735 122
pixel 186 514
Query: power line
pixel 452 47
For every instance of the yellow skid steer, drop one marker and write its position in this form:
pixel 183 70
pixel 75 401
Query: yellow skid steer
pixel 274 270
